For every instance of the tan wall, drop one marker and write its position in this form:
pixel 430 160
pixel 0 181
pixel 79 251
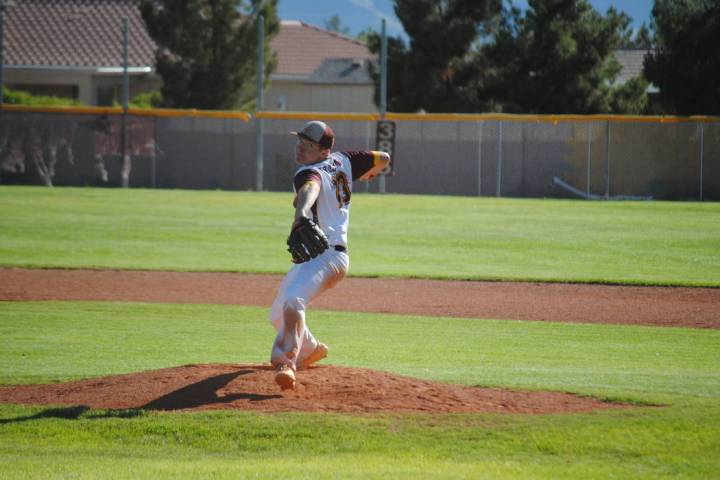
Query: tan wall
pixel 343 98
pixel 82 80
pixel 293 96
pixel 299 96
pixel 86 82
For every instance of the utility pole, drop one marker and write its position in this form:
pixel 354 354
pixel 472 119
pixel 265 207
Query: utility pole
pixel 2 49
pixel 383 90
pixel 260 102
pixel 126 165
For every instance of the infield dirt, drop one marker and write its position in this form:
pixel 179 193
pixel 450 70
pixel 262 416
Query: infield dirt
pixel 557 302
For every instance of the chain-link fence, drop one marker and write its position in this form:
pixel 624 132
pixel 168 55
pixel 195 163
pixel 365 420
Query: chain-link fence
pixel 515 156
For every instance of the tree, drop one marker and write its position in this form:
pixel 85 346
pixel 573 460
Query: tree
pixel 423 74
pixel 631 98
pixel 364 35
pixel 556 57
pixel 685 65
pixel 333 24
pixel 207 49
pixel 642 38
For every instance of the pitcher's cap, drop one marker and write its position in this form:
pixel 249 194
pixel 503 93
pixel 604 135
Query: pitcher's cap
pixel 318 132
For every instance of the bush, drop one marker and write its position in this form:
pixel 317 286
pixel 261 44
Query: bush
pixel 17 97
pixel 147 100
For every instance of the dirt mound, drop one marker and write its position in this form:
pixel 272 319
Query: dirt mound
pixel 321 389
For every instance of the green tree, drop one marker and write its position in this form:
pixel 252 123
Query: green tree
pixel 364 35
pixel 556 57
pixel 207 49
pixel 631 98
pixel 685 65
pixel 643 38
pixel 334 24
pixel 424 75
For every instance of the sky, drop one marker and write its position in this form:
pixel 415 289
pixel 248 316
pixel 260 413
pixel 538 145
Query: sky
pixel 360 14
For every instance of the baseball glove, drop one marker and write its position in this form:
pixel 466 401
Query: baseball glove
pixel 306 240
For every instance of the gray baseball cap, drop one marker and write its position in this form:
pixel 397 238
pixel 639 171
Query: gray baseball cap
pixel 318 132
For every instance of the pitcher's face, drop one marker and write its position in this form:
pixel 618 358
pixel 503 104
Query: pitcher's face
pixel 307 152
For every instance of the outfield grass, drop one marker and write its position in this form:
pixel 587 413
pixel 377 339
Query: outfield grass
pixel 659 243
pixel 438 237
pixel 40 341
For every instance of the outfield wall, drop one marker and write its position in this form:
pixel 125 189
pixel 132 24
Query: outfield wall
pixel 617 157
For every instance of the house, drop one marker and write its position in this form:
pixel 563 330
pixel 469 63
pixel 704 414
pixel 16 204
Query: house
pixel 74 48
pixel 631 60
pixel 319 71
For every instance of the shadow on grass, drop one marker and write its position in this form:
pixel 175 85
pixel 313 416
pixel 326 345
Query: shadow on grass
pixel 204 393
pixel 196 395
pixel 74 413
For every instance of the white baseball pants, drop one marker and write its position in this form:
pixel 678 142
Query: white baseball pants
pixel 303 282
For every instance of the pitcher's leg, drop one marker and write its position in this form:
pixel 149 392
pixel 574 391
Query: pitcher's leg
pixel 290 337
pixel 330 275
pixel 288 282
pixel 303 283
pixel 277 317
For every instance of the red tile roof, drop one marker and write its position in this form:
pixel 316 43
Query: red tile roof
pixel 302 48
pixel 89 33
pixel 75 32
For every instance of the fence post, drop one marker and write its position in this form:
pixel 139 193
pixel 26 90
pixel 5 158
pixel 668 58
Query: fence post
pixel 260 103
pixel 383 89
pixel 499 159
pixel 368 130
pixel 607 161
pixel 702 155
pixel 589 143
pixel 523 165
pixel 479 156
pixel 155 153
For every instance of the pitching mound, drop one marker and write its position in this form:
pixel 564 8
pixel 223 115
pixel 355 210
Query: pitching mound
pixel 321 389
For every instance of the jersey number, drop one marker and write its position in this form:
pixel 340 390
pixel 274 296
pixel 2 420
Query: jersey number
pixel 342 189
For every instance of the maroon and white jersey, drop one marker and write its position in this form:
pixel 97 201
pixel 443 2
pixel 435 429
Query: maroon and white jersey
pixel 335 175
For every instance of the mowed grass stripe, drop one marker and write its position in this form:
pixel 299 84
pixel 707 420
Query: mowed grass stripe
pixel 58 341
pixel 642 443
pixel 658 243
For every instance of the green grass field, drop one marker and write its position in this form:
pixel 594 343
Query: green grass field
pixel 659 243
pixel 55 341
pixel 646 243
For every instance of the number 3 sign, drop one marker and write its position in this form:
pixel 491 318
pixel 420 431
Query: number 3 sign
pixel 385 142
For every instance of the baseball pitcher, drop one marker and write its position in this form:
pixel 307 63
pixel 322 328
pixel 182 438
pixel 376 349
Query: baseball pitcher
pixel 317 242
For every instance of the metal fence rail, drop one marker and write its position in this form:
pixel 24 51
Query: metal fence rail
pixel 594 157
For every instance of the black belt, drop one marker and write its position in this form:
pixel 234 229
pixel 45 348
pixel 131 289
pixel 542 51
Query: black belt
pixel 340 248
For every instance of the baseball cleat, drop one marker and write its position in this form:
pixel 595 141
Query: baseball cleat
pixel 320 352
pixel 285 377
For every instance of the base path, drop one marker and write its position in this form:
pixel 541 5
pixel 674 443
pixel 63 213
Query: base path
pixel 658 306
